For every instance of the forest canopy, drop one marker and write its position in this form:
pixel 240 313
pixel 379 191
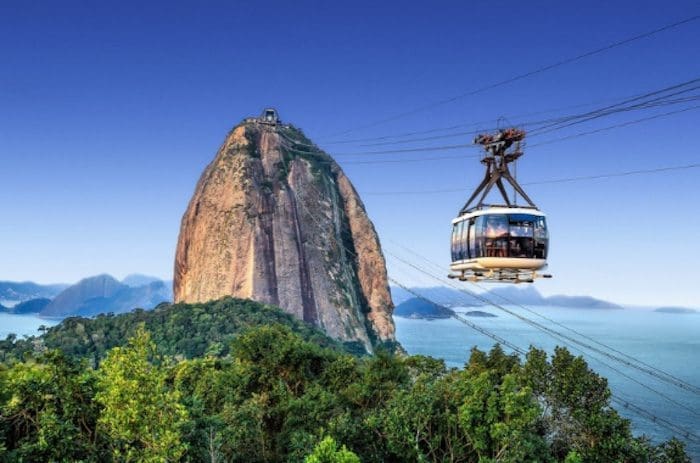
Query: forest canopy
pixel 234 380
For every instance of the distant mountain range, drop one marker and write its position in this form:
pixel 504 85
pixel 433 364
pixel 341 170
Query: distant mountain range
pixel 105 294
pixel 13 292
pixel 501 295
pixel 88 297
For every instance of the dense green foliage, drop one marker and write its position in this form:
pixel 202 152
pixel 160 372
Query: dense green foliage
pixel 141 416
pixel 278 396
pixel 179 330
pixel 327 451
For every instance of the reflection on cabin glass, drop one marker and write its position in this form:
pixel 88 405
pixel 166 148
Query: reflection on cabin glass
pixel 495 236
pixel 500 235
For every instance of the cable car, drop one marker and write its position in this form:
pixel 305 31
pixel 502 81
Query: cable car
pixel 499 242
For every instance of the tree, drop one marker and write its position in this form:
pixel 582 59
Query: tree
pixel 47 412
pixel 261 386
pixel 422 424
pixel 327 451
pixel 672 451
pixel 499 420
pixel 142 417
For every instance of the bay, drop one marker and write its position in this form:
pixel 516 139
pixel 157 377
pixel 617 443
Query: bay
pixel 22 325
pixel 670 342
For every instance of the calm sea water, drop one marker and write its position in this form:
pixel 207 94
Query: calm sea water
pixel 22 325
pixel 670 342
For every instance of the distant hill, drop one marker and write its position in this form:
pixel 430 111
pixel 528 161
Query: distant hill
pixel 676 310
pixel 581 302
pixel 136 280
pixel 420 308
pixel 104 294
pixel 83 296
pixel 479 313
pixel 24 291
pixel 30 306
pixel 522 295
pixel 441 294
pixel 507 294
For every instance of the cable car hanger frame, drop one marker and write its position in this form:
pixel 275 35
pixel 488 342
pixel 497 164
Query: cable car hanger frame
pixel 501 149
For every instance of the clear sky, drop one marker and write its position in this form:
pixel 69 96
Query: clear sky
pixel 109 112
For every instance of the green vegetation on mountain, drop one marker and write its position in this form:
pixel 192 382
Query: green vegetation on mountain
pixel 276 390
pixel 179 330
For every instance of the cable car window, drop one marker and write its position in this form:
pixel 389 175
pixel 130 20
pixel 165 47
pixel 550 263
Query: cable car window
pixel 496 235
pixel 455 241
pixel 541 238
pixel 472 239
pixel 522 227
pixel 479 236
pixel 464 251
pixel 496 226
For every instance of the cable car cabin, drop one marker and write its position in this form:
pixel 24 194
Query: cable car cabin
pixel 499 243
pixel 506 242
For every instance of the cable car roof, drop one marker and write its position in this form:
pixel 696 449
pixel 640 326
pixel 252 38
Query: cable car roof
pixel 488 210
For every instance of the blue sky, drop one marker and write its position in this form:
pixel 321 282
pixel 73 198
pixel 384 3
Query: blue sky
pixel 109 112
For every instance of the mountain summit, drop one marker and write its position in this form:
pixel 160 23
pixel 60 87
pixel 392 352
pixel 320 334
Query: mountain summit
pixel 274 219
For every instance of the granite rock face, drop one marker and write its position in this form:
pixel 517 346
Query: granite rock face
pixel 275 219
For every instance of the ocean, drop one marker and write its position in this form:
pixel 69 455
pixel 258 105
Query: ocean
pixel 22 325
pixel 670 342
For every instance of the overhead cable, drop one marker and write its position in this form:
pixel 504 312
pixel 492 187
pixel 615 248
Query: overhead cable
pixel 542 182
pixel 578 333
pixel 550 331
pixel 521 76
pixel 676 429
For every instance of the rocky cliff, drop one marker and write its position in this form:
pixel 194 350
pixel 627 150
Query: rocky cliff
pixel 275 219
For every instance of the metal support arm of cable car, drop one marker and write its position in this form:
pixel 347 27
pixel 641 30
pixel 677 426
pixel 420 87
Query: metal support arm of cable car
pixel 501 149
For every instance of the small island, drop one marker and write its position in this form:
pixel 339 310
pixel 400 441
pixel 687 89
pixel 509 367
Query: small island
pixel 676 310
pixel 421 309
pixel 479 313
